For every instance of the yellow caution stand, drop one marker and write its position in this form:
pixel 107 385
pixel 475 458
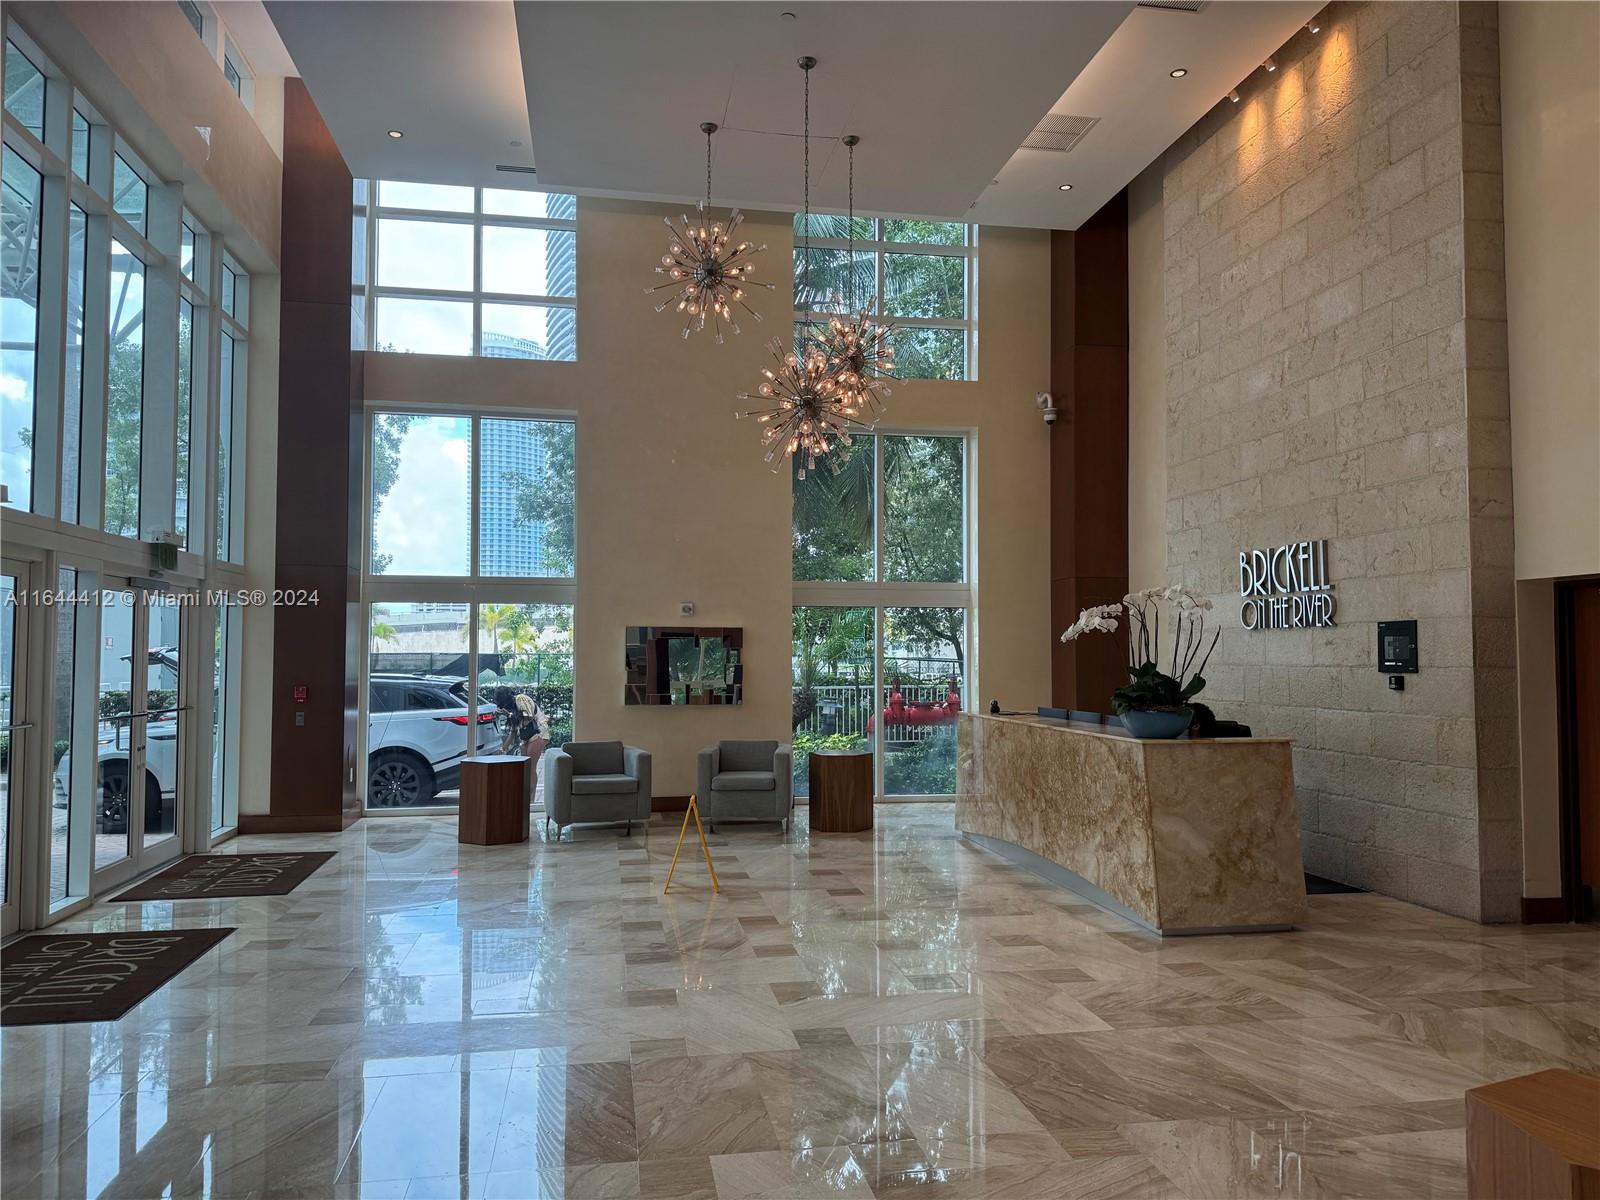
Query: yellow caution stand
pixel 692 811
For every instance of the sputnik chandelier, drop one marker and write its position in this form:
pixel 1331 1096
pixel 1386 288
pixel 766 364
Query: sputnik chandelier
pixel 859 349
pixel 805 412
pixel 706 273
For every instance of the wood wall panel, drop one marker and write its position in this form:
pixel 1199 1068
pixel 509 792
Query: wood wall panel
pixel 316 646
pixel 1089 449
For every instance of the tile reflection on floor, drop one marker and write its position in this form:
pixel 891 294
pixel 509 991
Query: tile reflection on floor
pixel 889 1013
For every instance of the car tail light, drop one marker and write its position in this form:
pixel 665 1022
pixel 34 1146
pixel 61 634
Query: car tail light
pixel 483 719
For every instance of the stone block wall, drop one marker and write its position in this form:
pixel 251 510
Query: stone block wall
pixel 1336 354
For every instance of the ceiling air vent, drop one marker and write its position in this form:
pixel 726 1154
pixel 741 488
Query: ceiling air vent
pixel 511 170
pixel 1059 133
pixel 1173 5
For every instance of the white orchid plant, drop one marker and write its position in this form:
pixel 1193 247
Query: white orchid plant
pixel 1151 689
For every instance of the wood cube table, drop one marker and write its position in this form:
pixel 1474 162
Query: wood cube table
pixel 1536 1137
pixel 496 792
pixel 841 791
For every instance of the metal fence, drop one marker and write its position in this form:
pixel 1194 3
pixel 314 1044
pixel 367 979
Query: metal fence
pixel 846 707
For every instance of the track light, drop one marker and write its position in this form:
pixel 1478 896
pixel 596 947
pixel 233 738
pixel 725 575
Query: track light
pixel 1313 26
pixel 1234 95
pixel 1269 66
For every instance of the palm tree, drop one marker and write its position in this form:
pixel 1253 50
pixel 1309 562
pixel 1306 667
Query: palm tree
pixel 492 618
pixel 382 631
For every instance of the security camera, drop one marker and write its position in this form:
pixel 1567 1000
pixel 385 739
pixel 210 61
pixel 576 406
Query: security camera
pixel 1047 407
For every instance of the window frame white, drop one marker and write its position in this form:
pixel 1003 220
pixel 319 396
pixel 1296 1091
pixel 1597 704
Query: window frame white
pixel 881 594
pixel 471 590
pixel 880 250
pixel 368 292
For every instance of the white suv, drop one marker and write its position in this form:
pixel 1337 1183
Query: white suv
pixel 415 744
pixel 414 737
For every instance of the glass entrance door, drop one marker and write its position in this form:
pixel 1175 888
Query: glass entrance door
pixel 15 732
pixel 139 715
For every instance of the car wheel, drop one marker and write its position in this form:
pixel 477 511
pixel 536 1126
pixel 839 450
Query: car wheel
pixel 113 814
pixel 398 779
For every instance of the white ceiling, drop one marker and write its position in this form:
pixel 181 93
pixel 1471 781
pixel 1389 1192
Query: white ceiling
pixel 448 75
pixel 1141 109
pixel 941 94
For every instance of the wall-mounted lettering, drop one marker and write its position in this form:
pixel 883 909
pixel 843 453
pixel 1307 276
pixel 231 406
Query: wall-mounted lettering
pixel 1286 587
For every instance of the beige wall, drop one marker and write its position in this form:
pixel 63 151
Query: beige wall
pixel 675 503
pixel 1333 314
pixel 1550 119
pixel 1550 113
pixel 1147 383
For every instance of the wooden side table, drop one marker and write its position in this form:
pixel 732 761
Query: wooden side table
pixel 841 791
pixel 496 791
pixel 1535 1137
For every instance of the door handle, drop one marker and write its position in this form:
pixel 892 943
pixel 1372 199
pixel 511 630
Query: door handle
pixel 19 728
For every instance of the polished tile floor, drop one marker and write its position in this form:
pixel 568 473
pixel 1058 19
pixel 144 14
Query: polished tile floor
pixel 888 1014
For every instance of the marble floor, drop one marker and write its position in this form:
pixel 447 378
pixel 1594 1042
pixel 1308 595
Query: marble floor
pixel 891 1014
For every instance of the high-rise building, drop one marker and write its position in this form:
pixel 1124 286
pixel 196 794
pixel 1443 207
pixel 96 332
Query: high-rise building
pixel 561 324
pixel 510 541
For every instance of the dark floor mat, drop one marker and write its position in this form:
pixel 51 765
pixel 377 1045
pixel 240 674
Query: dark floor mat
pixel 222 876
pixel 54 979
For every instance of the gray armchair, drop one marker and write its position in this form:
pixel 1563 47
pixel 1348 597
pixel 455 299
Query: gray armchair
pixel 747 781
pixel 602 782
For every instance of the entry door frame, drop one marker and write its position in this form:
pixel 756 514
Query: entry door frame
pixel 26 739
pixel 139 861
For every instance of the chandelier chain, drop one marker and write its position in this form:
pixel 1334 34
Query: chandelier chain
pixel 708 167
pixel 806 141
pixel 850 228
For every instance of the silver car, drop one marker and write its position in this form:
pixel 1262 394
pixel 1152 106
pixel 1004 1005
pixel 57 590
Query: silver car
pixel 415 740
pixel 415 744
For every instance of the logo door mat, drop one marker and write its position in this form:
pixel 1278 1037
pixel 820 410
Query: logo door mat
pixel 224 876
pixel 54 979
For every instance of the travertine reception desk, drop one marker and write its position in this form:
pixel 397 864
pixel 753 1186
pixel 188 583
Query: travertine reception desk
pixel 1181 836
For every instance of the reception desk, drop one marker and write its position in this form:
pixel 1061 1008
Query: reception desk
pixel 1181 836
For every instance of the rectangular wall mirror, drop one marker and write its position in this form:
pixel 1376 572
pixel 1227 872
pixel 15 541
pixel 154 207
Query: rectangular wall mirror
pixel 684 665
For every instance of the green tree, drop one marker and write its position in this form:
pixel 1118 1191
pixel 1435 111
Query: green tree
pixel 124 418
pixel 924 527
pixel 916 285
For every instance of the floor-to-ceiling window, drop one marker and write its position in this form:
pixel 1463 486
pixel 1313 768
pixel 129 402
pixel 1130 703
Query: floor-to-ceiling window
pixel 883 602
pixel 471 521
pixel 124 330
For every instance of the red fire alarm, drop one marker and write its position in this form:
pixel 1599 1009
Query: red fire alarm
pixel 300 693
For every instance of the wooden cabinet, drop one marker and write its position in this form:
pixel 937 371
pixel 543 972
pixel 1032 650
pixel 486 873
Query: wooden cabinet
pixel 496 790
pixel 1536 1137
pixel 841 791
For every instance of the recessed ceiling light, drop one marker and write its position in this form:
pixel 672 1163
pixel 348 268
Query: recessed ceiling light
pixel 395 133
pixel 787 15
pixel 1234 95
pixel 1270 65
pixel 1178 72
pixel 1065 187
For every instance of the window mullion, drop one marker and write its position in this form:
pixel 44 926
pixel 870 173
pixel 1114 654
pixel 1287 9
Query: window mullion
pixel 476 460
